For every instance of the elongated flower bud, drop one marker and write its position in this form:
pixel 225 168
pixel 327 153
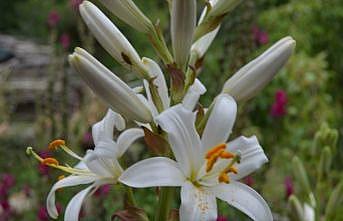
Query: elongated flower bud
pixel 253 77
pixel 334 203
pixel 301 175
pixel 128 12
pixel 221 7
pixel 109 87
pixel 183 21
pixel 202 44
pixel 111 38
pixel 298 212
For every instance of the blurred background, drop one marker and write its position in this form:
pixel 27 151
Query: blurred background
pixel 298 114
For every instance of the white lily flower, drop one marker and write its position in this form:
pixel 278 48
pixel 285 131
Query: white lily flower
pixel 98 167
pixel 202 44
pixel 183 22
pixel 309 213
pixel 109 87
pixel 190 100
pixel 111 39
pixel 128 12
pixel 203 163
pixel 253 77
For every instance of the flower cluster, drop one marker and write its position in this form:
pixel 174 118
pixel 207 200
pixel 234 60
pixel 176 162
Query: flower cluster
pixel 189 141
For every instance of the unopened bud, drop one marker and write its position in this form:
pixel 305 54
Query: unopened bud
pixel 296 207
pixel 301 175
pixel 333 204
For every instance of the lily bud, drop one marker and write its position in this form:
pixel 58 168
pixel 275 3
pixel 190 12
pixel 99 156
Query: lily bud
pixel 333 204
pixel 128 12
pixel 109 87
pixel 301 175
pixel 325 162
pixel 183 22
pixel 111 39
pixel 221 7
pixel 253 77
pixel 296 207
pixel 202 44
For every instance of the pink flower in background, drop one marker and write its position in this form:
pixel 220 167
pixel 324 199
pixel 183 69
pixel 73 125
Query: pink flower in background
pixel 75 4
pixel 221 218
pixel 5 205
pixel 87 141
pixel 8 180
pixel 289 188
pixel 249 180
pixel 43 215
pixel 260 37
pixel 53 18
pixel 103 190
pixel 278 108
pixel 44 169
pixel 65 41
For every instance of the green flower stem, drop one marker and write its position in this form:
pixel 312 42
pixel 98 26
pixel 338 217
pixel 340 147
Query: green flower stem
pixel 130 196
pixel 165 201
pixel 157 40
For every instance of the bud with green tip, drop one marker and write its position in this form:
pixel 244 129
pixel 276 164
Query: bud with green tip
pixel 296 207
pixel 334 201
pixel 109 87
pixel 111 39
pixel 183 22
pixel 325 162
pixel 253 77
pixel 301 175
pixel 128 12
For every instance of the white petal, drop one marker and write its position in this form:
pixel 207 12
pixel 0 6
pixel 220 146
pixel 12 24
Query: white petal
pixel 157 171
pixel 126 139
pixel 178 122
pixel 253 156
pixel 109 36
pixel 183 22
pixel 221 7
pixel 250 79
pixel 156 72
pixel 193 94
pixel 103 164
pixel 245 199
pixel 220 122
pixel 109 87
pixel 309 214
pixel 197 204
pixel 66 182
pixel 103 130
pixel 72 212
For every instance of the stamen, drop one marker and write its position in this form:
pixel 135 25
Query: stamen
pixel 61 177
pixel 56 143
pixel 212 160
pixel 231 169
pixel 223 178
pixel 227 155
pixel 215 150
pixel 50 161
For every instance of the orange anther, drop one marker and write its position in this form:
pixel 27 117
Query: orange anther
pixel 55 144
pixel 61 177
pixel 50 161
pixel 231 169
pixel 223 178
pixel 227 155
pixel 212 160
pixel 215 150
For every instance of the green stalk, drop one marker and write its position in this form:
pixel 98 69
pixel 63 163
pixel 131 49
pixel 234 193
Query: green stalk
pixel 130 196
pixel 165 201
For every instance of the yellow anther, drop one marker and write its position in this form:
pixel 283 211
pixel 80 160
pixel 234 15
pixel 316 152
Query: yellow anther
pixel 61 177
pixel 214 150
pixel 55 144
pixel 223 178
pixel 212 160
pixel 231 169
pixel 50 161
pixel 227 155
